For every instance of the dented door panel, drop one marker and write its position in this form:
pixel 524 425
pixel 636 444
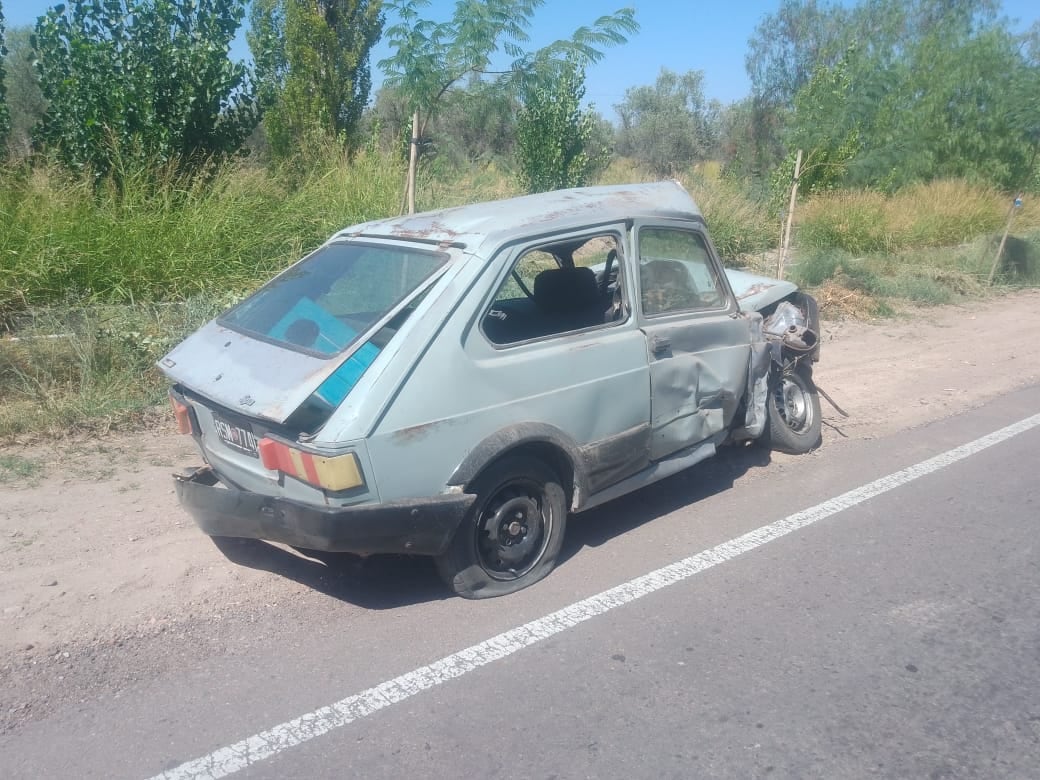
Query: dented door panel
pixel 698 344
pixel 697 379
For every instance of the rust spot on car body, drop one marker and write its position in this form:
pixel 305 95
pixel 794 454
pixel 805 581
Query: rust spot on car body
pixel 434 229
pixel 416 432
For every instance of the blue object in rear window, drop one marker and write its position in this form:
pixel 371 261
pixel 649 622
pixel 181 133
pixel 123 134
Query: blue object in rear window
pixel 329 334
pixel 323 304
pixel 334 389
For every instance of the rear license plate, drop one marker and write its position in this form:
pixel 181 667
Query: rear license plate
pixel 237 437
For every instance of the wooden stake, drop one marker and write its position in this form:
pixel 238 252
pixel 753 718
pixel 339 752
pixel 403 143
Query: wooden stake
pixel 1003 240
pixel 782 260
pixel 413 161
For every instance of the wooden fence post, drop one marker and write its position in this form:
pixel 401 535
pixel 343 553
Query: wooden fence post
pixel 782 260
pixel 1007 229
pixel 413 161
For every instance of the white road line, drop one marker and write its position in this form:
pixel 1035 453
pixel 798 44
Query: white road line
pixel 266 744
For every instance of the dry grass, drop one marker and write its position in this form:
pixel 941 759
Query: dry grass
pixel 623 170
pixel 937 214
pixel 838 301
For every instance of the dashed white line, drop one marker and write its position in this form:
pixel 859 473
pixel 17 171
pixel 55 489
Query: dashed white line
pixel 259 747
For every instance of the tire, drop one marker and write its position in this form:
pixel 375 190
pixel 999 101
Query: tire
pixel 512 534
pixel 795 420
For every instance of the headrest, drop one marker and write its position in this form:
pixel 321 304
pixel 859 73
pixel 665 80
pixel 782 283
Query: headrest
pixel 558 290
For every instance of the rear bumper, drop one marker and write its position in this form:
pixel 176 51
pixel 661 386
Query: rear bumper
pixel 414 526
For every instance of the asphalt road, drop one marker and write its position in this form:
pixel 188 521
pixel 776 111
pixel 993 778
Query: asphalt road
pixel 896 637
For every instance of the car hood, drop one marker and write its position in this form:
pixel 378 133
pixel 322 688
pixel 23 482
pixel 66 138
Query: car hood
pixel 755 292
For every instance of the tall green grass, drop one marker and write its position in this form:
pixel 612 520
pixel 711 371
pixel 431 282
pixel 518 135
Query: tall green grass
pixel 738 225
pixel 97 281
pixel 160 237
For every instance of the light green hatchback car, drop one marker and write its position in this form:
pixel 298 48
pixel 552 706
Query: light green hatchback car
pixel 455 383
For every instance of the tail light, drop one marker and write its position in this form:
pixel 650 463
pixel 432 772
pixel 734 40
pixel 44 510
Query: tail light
pixel 182 414
pixel 341 472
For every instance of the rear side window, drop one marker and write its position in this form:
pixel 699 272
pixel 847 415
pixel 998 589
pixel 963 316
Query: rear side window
pixel 560 287
pixel 324 303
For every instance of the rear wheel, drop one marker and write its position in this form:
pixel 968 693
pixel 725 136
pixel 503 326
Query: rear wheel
pixel 795 420
pixel 513 532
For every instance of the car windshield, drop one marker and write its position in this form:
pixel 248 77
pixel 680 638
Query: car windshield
pixel 324 303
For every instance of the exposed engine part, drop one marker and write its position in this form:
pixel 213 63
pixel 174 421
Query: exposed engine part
pixel 788 325
pixel 786 315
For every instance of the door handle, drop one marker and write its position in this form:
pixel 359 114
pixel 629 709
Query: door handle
pixel 659 345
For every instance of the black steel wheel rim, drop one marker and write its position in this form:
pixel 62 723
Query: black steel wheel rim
pixel 513 529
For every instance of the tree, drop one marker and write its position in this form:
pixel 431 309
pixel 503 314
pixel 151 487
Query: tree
pixel 670 125
pixel 554 135
pixel 24 99
pixel 430 57
pixel 475 124
pixel 1024 115
pixel 144 79
pixel 788 46
pixel 803 37
pixel 826 123
pixel 312 65
pixel 5 121
pixel 954 99
pixel 736 140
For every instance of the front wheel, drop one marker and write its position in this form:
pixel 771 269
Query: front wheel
pixel 513 532
pixel 795 420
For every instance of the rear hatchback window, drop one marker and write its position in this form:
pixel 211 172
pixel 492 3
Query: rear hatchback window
pixel 323 304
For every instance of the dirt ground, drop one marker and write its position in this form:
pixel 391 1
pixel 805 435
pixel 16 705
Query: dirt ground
pixel 94 550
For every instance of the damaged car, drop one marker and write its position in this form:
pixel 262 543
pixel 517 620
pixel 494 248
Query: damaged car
pixel 455 383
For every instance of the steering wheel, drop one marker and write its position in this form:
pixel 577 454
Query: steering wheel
pixel 604 283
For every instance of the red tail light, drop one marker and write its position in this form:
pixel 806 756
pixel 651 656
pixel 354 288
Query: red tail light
pixel 182 415
pixel 331 473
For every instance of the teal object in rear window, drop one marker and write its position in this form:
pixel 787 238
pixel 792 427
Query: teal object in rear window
pixel 334 389
pixel 308 325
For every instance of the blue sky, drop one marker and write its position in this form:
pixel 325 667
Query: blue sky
pixel 711 37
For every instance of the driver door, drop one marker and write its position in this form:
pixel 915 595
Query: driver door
pixel 697 342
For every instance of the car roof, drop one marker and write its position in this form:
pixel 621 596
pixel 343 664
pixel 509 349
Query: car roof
pixel 497 222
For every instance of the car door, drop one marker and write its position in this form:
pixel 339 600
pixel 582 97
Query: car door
pixel 560 346
pixel 698 343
